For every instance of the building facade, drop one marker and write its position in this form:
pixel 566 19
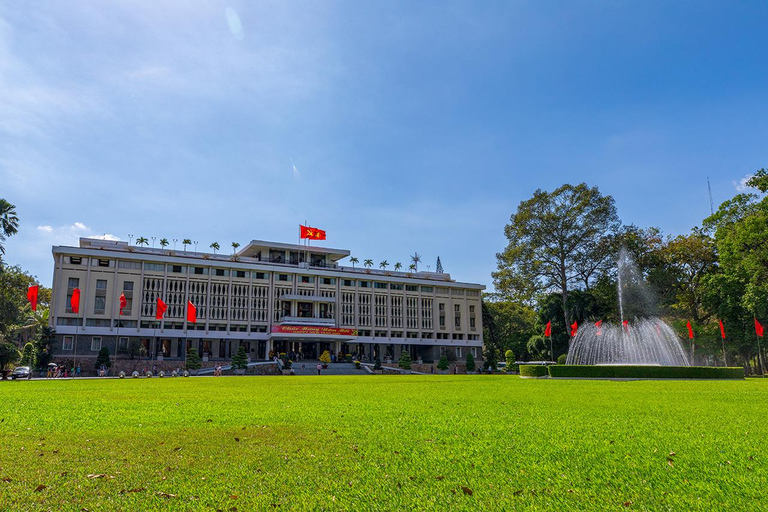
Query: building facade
pixel 268 297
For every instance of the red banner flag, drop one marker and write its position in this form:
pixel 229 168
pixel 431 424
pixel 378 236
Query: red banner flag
pixel 599 324
pixel 722 330
pixel 758 328
pixel 74 302
pixel 548 329
pixel 162 307
pixel 625 323
pixel 123 302
pixel 574 328
pixel 690 330
pixel 32 296
pixel 191 313
pixel 312 233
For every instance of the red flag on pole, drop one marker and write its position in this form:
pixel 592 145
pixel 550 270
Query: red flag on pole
pixel 574 328
pixel 625 323
pixel 162 307
pixel 74 302
pixel 123 302
pixel 599 325
pixel 191 313
pixel 548 329
pixel 32 296
pixel 312 233
pixel 758 328
pixel 690 330
pixel 722 330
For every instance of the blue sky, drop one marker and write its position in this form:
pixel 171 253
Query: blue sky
pixel 395 126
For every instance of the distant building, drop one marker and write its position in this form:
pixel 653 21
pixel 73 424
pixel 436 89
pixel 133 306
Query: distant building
pixel 269 298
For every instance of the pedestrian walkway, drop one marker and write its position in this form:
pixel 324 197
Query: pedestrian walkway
pixel 333 369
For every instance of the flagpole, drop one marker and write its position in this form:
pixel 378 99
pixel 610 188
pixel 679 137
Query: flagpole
pixel 77 325
pixel 759 356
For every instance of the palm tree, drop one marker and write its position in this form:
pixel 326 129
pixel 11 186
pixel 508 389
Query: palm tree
pixel 185 243
pixel 235 245
pixel 368 263
pixel 383 265
pixel 142 241
pixel 215 246
pixel 398 266
pixel 354 260
pixel 412 267
pixel 164 242
pixel 9 222
pixel 416 259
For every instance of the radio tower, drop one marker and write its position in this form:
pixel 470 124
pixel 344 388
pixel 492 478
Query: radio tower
pixel 711 203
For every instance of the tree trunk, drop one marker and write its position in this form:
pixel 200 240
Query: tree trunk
pixel 565 302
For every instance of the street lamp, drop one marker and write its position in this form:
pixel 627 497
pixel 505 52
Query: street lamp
pixel 174 243
pixel 153 241
pixel 130 237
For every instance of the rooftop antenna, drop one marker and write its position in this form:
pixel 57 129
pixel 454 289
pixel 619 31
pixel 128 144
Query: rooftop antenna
pixel 711 203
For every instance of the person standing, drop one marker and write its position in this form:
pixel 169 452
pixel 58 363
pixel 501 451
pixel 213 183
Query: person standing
pixel 319 367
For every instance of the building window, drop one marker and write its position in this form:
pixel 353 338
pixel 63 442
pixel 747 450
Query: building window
pixel 177 269
pixel 284 277
pixel 261 275
pixel 100 300
pixel 200 271
pixel 306 279
pixel 426 289
pixel 241 274
pixel 67 343
pixel 123 344
pixel 456 316
pixel 154 267
pixel 411 288
pixel 458 352
pixel 472 316
pixel 128 286
pixel 349 282
pixel 441 308
pixel 221 272
pixel 129 264
pixel 365 284
pixel 395 286
pixel 103 263
pixel 96 343
pixel 382 286
pixel 329 280
pixel 75 260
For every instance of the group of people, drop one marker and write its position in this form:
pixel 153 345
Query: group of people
pixel 61 371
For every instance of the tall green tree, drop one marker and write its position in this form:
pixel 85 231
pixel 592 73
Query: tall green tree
pixel 9 223
pixel 551 238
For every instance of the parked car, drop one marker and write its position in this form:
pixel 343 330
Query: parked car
pixel 21 372
pixel 501 366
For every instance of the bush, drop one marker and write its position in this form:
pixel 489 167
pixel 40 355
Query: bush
pixel 405 360
pixel 377 364
pixel 103 358
pixel 9 355
pixel 470 362
pixel 193 360
pixel 509 357
pixel 533 370
pixel 646 372
pixel 325 357
pixel 562 358
pixel 443 363
pixel 348 357
pixel 240 359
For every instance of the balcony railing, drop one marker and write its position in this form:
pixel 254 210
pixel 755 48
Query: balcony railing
pixel 307 320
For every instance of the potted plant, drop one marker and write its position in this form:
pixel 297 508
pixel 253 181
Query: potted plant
pixel 357 364
pixel 377 366
pixel 240 361
pixel 405 361
pixel 443 365
pixel 325 358
pixel 194 362
pixel 348 357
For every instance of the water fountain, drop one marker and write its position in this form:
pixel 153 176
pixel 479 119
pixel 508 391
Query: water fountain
pixel 644 340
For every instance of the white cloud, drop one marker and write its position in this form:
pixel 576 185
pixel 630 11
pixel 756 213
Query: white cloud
pixel 69 234
pixel 79 226
pixel 45 229
pixel 106 236
pixel 741 185
pixel 296 173
pixel 235 25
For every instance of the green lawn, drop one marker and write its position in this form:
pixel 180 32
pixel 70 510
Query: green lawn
pixel 382 443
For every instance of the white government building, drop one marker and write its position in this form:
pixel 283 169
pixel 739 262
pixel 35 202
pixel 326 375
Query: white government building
pixel 268 297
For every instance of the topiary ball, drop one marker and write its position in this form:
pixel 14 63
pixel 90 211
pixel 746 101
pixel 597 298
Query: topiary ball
pixel 121 375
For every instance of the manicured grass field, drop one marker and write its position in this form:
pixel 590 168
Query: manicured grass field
pixel 382 443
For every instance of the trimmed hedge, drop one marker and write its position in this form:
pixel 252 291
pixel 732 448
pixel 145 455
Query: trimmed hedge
pixel 646 372
pixel 533 370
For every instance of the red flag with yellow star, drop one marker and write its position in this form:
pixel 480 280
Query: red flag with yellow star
pixel 312 233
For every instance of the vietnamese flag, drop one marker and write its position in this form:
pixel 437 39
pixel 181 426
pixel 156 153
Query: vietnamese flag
pixel 123 302
pixel 312 233
pixel 722 329
pixel 74 302
pixel 162 307
pixel 191 313
pixel 574 328
pixel 32 296
pixel 690 330
pixel 758 328
pixel 548 329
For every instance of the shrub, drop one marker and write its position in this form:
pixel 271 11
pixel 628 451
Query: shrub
pixel 240 359
pixel 348 357
pixel 562 358
pixel 443 363
pixel 646 372
pixel 103 358
pixel 533 370
pixel 28 355
pixel 325 357
pixel 509 357
pixel 377 364
pixel 193 360
pixel 405 360
pixel 9 355
pixel 470 362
